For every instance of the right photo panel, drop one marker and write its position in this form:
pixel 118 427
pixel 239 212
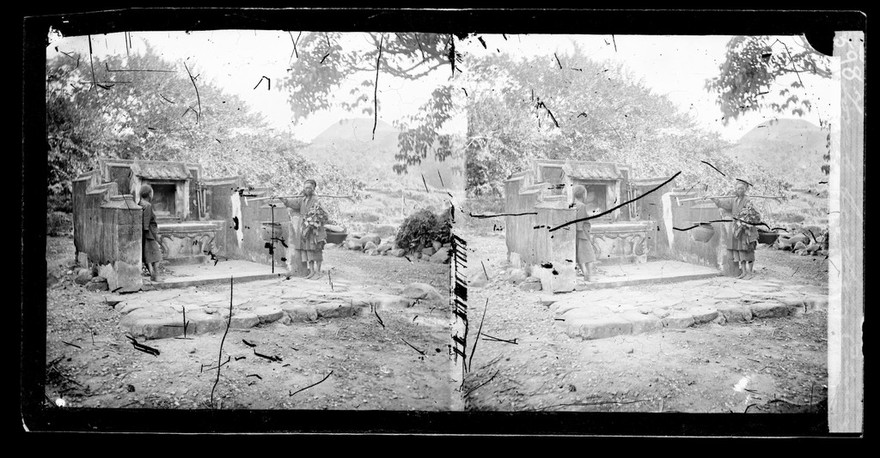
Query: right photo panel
pixel 647 223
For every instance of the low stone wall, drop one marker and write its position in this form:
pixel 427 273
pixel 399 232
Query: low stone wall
pixel 710 253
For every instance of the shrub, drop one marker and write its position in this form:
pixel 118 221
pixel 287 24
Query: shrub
pixel 423 227
pixel 58 224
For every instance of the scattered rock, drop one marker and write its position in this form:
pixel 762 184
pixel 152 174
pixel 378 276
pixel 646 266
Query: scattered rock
pixel 428 251
pixel 370 246
pixel 798 238
pixel 437 245
pixel 770 310
pixel 441 256
pixel 97 286
pixel 531 284
pixel 384 247
pixel 329 245
pixel 799 246
pixel 516 276
pixel 478 281
pixel 98 279
pixel 371 252
pixel 83 276
pixel 375 238
pixel 397 252
pixel 422 291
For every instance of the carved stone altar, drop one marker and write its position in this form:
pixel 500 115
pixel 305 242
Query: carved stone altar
pixel 622 242
pixel 190 242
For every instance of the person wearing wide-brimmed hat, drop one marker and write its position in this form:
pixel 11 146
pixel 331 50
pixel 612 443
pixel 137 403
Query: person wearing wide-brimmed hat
pixel 312 235
pixel 744 236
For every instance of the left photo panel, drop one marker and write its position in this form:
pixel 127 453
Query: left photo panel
pixel 251 219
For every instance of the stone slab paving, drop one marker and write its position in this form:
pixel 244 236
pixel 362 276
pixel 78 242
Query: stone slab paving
pixel 194 309
pixel 616 276
pixel 602 313
pixel 184 276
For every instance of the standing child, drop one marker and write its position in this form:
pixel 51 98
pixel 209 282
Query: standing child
pixel 151 251
pixel 585 255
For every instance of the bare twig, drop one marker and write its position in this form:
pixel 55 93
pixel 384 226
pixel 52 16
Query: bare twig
pixel 482 384
pixel 479 331
pixel 91 63
pixel 597 403
pixel 228 323
pixel 270 358
pixel 376 89
pixel 303 389
pixel 411 346
pixel 198 97
pixel 496 339
pixel 142 347
pixel 378 317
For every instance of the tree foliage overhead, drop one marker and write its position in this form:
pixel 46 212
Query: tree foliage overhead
pixel 144 107
pixel 755 66
pixel 323 66
pixel 576 108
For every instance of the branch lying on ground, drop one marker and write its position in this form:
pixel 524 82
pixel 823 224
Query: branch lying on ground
pixel 303 389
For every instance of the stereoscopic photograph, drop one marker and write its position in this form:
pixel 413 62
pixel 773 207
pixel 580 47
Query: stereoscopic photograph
pixel 276 220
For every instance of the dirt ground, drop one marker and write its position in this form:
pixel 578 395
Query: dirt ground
pixel 768 365
pixel 351 363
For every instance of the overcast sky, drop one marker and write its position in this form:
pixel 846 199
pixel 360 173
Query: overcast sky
pixel 676 66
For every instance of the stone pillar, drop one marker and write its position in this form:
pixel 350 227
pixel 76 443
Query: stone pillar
pixel 123 230
pixel 557 263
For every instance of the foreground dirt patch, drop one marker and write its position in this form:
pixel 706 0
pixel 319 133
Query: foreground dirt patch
pixel 766 365
pixel 400 363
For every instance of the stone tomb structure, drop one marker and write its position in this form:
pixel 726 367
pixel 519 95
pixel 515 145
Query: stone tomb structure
pixel 200 220
pixel 541 196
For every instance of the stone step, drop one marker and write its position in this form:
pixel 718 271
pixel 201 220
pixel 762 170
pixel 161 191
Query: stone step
pixel 597 322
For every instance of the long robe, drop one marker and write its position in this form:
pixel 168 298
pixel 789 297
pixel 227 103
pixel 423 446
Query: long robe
pixel 584 247
pixel 150 244
pixel 740 245
pixel 311 244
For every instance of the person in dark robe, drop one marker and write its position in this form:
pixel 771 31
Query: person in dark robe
pixel 152 253
pixel 309 241
pixel 585 205
pixel 744 234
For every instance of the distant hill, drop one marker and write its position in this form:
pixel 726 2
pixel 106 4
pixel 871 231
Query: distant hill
pixel 789 148
pixel 349 144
